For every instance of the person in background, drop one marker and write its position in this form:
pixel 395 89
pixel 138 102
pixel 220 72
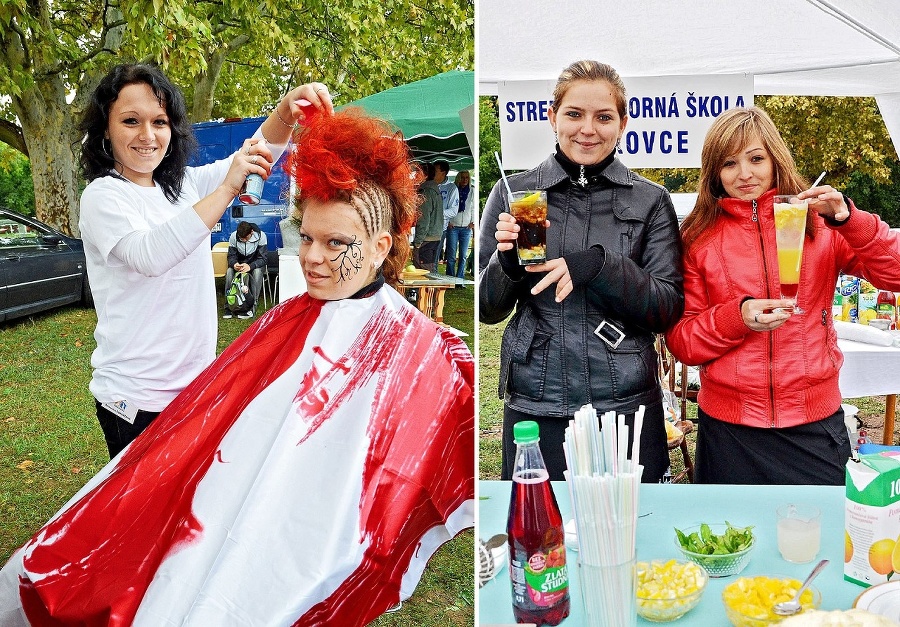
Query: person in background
pixel 585 321
pixel 145 221
pixel 450 198
pixel 428 227
pixel 247 253
pixel 309 474
pixel 769 406
pixel 459 229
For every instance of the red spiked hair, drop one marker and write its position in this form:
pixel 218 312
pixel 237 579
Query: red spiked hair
pixel 335 154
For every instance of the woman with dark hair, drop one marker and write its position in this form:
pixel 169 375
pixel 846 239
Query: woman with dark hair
pixel 586 320
pixel 769 404
pixel 145 220
pixel 307 475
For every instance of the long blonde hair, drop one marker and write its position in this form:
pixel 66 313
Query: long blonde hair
pixel 731 132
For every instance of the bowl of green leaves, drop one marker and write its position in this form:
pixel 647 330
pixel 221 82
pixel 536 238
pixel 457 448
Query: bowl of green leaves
pixel 722 549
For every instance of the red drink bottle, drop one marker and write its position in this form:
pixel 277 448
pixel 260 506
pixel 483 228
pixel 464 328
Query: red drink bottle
pixel 885 307
pixel 537 550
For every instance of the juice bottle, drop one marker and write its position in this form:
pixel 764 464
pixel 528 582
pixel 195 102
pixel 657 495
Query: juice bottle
pixel 885 309
pixel 537 550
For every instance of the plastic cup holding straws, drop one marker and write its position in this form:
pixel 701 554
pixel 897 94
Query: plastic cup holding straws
pixel 603 487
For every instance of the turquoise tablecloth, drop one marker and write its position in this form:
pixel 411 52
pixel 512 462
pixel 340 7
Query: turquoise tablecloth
pixel 663 507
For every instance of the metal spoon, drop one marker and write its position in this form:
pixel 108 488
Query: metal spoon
pixel 787 608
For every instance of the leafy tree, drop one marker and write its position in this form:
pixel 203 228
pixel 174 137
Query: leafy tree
pixel 357 48
pixel 234 58
pixel 16 189
pixel 488 143
pixel 880 198
pixel 839 135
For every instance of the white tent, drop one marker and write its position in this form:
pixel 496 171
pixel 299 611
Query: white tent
pixel 791 47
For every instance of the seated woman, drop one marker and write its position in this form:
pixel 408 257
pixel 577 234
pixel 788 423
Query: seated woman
pixel 310 472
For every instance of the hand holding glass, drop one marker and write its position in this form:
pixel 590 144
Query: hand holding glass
pixel 529 208
pixel 790 229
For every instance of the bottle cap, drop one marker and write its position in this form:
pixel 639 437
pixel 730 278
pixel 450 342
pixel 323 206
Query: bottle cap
pixel 525 432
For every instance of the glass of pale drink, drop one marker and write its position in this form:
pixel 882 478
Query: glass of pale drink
pixel 529 208
pixel 790 229
pixel 799 532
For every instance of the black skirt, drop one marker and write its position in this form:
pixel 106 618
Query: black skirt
pixel 654 449
pixel 813 454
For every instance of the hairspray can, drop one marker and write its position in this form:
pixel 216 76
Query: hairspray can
pixel 252 191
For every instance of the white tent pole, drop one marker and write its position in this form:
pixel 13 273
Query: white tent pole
pixel 828 7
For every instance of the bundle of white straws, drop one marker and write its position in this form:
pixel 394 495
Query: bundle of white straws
pixel 603 488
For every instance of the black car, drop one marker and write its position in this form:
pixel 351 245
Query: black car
pixel 40 268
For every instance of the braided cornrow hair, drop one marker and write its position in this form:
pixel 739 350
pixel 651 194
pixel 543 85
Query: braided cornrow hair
pixel 359 159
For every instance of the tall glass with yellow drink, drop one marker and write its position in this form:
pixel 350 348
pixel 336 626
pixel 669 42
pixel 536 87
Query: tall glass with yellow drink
pixel 790 229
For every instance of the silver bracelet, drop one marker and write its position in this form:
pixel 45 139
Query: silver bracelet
pixel 281 119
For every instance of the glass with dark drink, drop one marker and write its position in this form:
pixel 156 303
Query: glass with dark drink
pixel 529 208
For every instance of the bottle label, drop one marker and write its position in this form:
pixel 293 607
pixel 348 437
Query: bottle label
pixel 885 310
pixel 546 576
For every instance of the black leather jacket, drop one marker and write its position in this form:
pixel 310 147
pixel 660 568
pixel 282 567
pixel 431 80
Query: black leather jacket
pixel 551 361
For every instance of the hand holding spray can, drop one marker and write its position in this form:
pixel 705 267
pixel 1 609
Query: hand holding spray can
pixel 251 193
pixel 252 190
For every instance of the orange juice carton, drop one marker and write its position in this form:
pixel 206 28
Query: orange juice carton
pixel 872 518
pixel 868 302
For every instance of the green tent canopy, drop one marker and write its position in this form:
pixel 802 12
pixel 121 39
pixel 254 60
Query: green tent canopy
pixel 427 112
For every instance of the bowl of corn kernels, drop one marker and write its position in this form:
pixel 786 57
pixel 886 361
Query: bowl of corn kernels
pixel 668 589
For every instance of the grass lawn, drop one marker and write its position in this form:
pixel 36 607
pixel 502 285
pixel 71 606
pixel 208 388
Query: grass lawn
pixel 51 444
pixel 490 420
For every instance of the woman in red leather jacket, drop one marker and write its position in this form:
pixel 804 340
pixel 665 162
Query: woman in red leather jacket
pixel 769 403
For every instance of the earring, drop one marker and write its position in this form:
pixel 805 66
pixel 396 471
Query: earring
pixel 103 148
pixel 169 151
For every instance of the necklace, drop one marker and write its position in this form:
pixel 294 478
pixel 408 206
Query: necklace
pixel 582 179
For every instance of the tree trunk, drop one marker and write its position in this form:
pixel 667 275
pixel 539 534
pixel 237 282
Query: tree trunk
pixel 205 86
pixel 205 82
pixel 49 128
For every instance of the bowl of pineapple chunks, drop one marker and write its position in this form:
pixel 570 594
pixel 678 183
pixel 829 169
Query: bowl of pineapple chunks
pixel 667 590
pixel 749 600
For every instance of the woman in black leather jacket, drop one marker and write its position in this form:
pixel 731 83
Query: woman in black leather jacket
pixel 613 257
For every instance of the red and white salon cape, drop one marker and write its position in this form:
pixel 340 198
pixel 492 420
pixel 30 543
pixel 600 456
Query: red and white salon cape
pixel 304 478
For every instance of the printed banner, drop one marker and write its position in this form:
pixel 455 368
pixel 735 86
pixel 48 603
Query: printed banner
pixel 668 117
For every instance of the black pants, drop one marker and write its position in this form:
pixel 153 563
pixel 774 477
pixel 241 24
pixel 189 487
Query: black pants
pixel 424 256
pixel 812 454
pixel 654 450
pixel 117 432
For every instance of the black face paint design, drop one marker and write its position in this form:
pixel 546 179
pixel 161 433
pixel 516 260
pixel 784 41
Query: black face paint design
pixel 349 260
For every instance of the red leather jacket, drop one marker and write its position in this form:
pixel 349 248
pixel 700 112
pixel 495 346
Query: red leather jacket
pixel 788 376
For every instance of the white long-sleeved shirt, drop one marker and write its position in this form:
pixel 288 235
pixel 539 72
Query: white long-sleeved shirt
pixel 151 276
